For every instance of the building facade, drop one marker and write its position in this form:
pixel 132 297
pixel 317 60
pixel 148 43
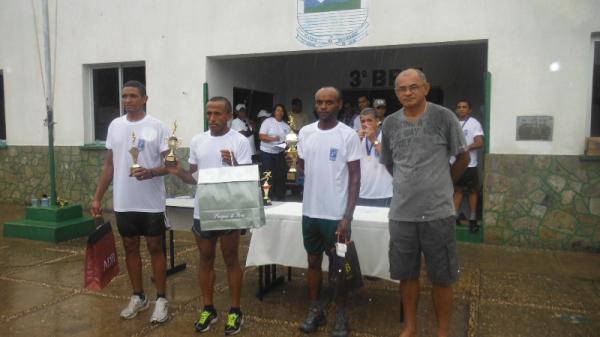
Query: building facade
pixel 527 66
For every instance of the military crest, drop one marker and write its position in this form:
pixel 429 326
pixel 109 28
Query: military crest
pixel 323 23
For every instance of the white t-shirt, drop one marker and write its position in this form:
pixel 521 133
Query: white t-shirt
pixel 356 123
pixel 375 180
pixel 205 152
pixel 471 129
pixel 130 194
pixel 271 127
pixel 239 125
pixel 326 154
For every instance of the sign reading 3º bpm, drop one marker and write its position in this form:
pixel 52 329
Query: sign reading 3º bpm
pixel 323 23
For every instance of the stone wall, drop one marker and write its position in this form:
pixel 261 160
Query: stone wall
pixel 542 201
pixel 530 201
pixel 24 174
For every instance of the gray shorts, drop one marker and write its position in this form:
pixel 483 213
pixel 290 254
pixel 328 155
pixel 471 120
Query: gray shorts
pixel 435 239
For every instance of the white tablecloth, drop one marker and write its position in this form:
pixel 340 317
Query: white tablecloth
pixel 280 240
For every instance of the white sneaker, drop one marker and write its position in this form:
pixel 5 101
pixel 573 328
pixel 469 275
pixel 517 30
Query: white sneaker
pixel 135 305
pixel 161 311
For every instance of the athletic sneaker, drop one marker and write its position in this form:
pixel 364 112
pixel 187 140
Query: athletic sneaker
pixel 473 226
pixel 161 311
pixel 234 323
pixel 340 327
pixel 315 319
pixel 135 305
pixel 207 318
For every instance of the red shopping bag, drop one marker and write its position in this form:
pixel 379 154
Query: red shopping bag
pixel 101 263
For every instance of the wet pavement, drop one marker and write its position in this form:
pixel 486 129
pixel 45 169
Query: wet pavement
pixel 503 291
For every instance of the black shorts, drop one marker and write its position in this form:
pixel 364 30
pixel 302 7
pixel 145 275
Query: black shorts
pixel 211 235
pixel 469 180
pixel 132 224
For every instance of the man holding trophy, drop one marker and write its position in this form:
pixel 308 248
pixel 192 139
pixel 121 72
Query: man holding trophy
pixel 134 165
pixel 220 146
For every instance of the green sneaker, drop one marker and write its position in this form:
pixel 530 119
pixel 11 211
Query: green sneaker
pixel 234 323
pixel 207 318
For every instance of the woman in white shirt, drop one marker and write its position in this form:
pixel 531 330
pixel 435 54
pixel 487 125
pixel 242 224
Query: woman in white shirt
pixel 272 146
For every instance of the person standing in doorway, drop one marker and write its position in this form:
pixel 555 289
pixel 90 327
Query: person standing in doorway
pixel 300 118
pixel 380 106
pixel 138 195
pixel 375 181
pixel 272 150
pixel 363 103
pixel 469 182
pixel 417 143
pixel 244 125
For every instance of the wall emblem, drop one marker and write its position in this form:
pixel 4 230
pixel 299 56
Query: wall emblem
pixel 323 23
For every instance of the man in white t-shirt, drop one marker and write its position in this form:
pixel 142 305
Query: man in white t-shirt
pixel 244 125
pixel 469 182
pixel 329 158
pixel 376 183
pixel 138 194
pixel 220 146
pixel 300 118
pixel 363 103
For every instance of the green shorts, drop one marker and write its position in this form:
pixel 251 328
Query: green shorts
pixel 318 234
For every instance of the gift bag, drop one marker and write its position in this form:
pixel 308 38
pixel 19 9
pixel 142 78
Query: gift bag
pixel 101 263
pixel 344 272
pixel 230 198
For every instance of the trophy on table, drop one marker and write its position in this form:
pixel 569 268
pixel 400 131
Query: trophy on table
pixel 135 152
pixel 291 140
pixel 173 142
pixel 266 187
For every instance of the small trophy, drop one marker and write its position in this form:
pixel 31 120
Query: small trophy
pixel 173 142
pixel 266 187
pixel 134 151
pixel 291 139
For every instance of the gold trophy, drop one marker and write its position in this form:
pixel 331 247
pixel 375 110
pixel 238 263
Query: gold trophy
pixel 291 140
pixel 266 187
pixel 135 152
pixel 173 142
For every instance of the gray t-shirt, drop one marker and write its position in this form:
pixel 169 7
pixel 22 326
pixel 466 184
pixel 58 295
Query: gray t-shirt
pixel 419 152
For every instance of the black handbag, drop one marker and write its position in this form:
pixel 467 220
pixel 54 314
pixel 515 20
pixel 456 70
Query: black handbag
pixel 344 272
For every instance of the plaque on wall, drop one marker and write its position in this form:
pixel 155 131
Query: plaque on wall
pixel 535 128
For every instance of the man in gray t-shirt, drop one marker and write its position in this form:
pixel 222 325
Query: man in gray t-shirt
pixel 417 143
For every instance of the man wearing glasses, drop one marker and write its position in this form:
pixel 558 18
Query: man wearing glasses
pixel 417 143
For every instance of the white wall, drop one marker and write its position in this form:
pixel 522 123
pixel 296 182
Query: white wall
pixel 175 38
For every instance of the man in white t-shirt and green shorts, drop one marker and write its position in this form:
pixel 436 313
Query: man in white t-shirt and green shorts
pixel 138 195
pixel 329 155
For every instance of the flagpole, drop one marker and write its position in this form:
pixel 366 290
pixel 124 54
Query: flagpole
pixel 49 93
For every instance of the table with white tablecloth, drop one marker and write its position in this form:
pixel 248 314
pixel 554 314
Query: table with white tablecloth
pixel 280 240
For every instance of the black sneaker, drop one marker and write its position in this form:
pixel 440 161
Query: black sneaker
pixel 207 318
pixel 234 323
pixel 315 319
pixel 473 226
pixel 340 327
